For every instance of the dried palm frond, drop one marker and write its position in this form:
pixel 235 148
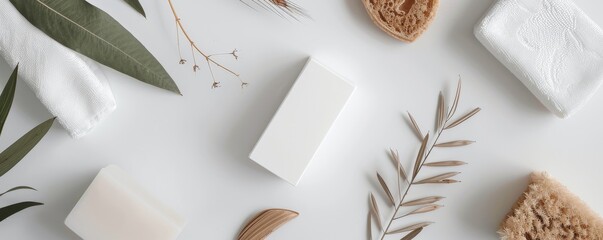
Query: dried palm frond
pixel 424 204
pixel 283 8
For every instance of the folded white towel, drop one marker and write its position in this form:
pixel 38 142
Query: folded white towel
pixel 73 89
pixel 552 46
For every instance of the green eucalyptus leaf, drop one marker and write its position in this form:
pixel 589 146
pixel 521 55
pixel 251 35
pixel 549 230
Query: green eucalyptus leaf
pixel 17 188
pixel 8 211
pixel 137 6
pixel 90 31
pixel 13 154
pixel 6 99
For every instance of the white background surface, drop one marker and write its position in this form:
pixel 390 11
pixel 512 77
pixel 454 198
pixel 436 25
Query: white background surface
pixel 191 151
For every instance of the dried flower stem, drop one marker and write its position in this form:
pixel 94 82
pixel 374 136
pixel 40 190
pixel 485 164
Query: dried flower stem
pixel 182 61
pixel 195 48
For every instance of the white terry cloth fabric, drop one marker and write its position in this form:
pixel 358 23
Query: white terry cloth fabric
pixel 552 46
pixel 73 89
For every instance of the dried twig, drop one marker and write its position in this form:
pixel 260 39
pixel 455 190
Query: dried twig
pixel 209 58
pixel 425 204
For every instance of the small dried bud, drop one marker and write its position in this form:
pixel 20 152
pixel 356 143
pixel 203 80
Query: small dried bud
pixel 215 85
pixel 182 61
pixel 244 84
pixel 280 3
pixel 195 68
pixel 234 54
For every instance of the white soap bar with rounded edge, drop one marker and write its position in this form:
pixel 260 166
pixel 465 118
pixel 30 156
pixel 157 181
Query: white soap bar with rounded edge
pixel 115 207
pixel 552 46
pixel 302 122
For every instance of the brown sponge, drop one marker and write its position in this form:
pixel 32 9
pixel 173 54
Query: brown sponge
pixel 547 210
pixel 405 20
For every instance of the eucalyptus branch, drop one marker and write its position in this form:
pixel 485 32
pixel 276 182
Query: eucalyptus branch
pixel 12 155
pixel 195 49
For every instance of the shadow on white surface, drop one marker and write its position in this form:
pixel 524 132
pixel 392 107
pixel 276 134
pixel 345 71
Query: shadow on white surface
pixel 25 100
pixel 248 130
pixel 60 201
pixel 361 17
pixel 488 210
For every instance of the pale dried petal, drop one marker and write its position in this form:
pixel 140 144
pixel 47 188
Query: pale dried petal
pixel 399 179
pixel 448 181
pixel 426 209
pixel 423 209
pixel 438 178
pixel 415 127
pixel 457 97
pixel 445 164
pixel 420 156
pixel 386 189
pixel 422 201
pixel 441 117
pixel 375 211
pixel 410 228
pixel 395 157
pixel 458 143
pixel 463 118
pixel 443 181
pixel 369 227
pixel 412 234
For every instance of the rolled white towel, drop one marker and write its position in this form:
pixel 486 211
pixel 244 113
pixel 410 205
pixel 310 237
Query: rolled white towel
pixel 71 86
pixel 552 46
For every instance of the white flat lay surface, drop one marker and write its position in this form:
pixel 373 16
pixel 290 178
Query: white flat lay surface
pixel 302 122
pixel 191 151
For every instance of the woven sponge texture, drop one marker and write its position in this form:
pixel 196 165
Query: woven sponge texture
pixel 548 211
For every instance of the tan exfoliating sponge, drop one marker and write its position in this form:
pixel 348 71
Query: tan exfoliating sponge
pixel 548 211
pixel 404 20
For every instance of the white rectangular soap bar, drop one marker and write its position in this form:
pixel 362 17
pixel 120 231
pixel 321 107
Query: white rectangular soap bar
pixel 302 122
pixel 115 207
pixel 552 46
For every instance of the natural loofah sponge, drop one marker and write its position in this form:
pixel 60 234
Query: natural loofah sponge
pixel 404 20
pixel 547 210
